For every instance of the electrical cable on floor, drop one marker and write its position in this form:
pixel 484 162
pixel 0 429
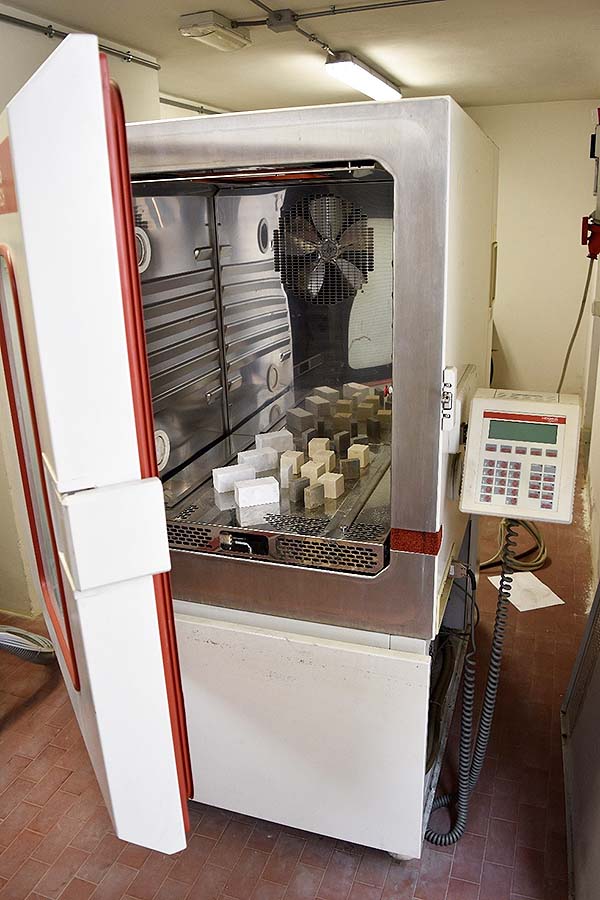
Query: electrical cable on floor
pixel 577 324
pixel 528 560
pixel 472 756
pixel 32 647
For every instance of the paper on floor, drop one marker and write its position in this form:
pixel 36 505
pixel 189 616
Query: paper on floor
pixel 528 592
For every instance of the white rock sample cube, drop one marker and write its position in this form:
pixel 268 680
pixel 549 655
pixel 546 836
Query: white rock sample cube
pixel 296 457
pixel 299 420
pixel 327 457
pixel 256 515
pixel 333 485
pixel 317 406
pixel 261 460
pixel 312 470
pixel 354 390
pixel 286 471
pixel 225 478
pixel 278 440
pixel 257 491
pixel 317 445
pixel 329 394
pixel 360 452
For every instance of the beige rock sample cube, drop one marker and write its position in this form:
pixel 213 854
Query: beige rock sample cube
pixel 360 452
pixel 317 406
pixel 385 417
pixel 342 422
pixel 317 445
pixel 364 411
pixel 353 389
pixel 374 402
pixel 312 470
pixel 314 496
pixel 327 457
pixel 296 457
pixel 329 394
pixel 286 472
pixel 343 406
pixel 333 485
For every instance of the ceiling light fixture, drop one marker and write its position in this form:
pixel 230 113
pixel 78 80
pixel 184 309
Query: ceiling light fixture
pixel 357 74
pixel 212 28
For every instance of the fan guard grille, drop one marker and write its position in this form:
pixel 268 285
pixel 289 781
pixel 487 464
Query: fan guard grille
pixel 324 249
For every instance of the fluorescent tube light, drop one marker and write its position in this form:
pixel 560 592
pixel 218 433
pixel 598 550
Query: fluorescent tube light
pixel 347 68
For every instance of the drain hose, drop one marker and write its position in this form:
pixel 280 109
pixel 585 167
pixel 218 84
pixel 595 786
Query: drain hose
pixel 32 647
pixel 471 758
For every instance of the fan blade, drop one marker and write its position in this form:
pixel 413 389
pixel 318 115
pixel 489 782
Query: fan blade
pixel 353 276
pixel 301 238
pixel 313 279
pixel 326 213
pixel 356 237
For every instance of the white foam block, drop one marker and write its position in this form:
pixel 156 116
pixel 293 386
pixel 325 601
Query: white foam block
pixel 261 460
pixel 278 440
pixel 327 393
pixel 257 491
pixel 353 389
pixel 296 457
pixel 225 478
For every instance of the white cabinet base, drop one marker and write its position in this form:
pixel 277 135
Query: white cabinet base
pixel 318 734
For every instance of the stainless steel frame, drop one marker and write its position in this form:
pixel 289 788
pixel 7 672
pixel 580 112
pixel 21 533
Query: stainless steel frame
pixel 411 141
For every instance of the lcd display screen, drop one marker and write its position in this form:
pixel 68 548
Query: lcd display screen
pixel 534 432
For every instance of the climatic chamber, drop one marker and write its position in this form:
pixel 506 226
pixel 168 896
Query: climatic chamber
pixel 239 349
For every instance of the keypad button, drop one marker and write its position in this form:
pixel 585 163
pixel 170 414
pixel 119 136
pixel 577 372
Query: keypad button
pixel 513 492
pixel 491 448
pixel 489 462
pixel 547 496
pixel 536 467
pixel 535 476
pixel 550 480
pixel 512 501
pixel 498 489
pixel 515 465
pixel 536 451
pixel 534 495
pixel 546 505
pixel 486 488
pixel 549 468
pixel 487 480
pixel 521 450
pixel 552 453
pixel 505 448
pixel 485 498
pixel 513 482
pixel 502 464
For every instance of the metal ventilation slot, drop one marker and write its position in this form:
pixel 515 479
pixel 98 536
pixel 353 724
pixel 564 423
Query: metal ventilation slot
pixel 185 536
pixel 326 554
pixel 298 524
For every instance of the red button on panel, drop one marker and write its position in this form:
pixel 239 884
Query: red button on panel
pixel 491 448
pixel 487 480
pixel 502 464
pixel 499 490
pixel 535 476
pixel 486 489
pixel 512 501
pixel 534 495
pixel 547 496
pixel 521 450
pixel 514 483
pixel 536 451
pixel 485 498
pixel 505 448
pixel 513 492
pixel 552 453
pixel 546 505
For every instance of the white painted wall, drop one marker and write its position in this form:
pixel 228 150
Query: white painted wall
pixel 545 188
pixel 21 53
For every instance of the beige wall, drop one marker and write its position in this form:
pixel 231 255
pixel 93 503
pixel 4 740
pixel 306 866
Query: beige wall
pixel 545 188
pixel 21 52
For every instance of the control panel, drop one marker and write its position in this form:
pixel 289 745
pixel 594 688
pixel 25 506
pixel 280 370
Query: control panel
pixel 521 456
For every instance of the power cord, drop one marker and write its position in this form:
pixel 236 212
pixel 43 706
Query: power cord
pixel 577 323
pixel 472 756
pixel 528 560
pixel 32 647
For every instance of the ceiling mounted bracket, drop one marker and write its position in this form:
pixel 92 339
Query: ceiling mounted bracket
pixel 282 20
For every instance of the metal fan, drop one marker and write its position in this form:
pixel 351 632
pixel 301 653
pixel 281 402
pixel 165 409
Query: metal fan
pixel 324 249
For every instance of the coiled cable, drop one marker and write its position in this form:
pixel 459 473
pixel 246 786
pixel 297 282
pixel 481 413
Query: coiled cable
pixel 471 758
pixel 529 560
pixel 32 647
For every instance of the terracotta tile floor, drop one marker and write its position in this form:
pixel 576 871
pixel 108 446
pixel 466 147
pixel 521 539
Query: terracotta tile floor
pixel 56 838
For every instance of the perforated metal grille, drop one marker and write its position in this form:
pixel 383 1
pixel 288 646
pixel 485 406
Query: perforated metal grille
pixel 298 524
pixel 366 531
pixel 329 555
pixel 189 537
pixel 185 514
pixel 324 249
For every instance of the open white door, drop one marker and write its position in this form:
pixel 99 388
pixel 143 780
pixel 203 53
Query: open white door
pixel 73 352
